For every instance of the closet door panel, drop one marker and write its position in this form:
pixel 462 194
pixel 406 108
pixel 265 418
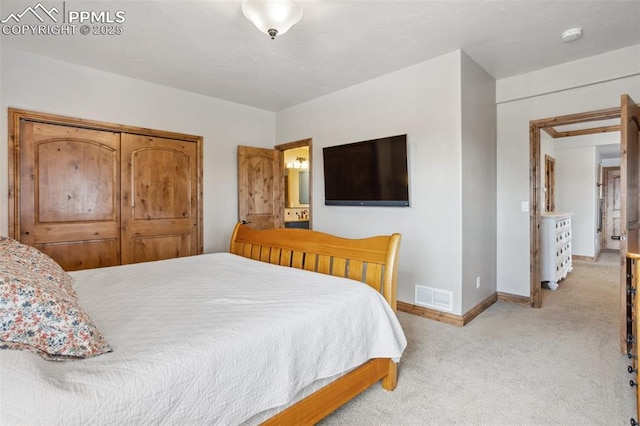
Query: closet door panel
pixel 76 181
pixel 69 193
pixel 77 255
pixel 159 198
pixel 160 247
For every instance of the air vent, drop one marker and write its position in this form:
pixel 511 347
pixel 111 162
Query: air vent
pixel 434 298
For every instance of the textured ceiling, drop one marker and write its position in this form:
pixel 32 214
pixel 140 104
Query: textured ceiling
pixel 208 47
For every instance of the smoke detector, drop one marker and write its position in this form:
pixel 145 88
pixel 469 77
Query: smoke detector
pixel 571 34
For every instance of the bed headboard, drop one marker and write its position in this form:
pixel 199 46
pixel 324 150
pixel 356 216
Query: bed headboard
pixel 372 260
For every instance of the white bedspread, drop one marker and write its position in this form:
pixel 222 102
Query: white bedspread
pixel 210 339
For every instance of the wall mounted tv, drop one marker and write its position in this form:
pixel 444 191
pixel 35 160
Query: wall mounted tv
pixel 368 173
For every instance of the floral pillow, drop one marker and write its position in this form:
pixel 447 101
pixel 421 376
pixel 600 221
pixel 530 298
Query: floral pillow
pixel 39 314
pixel 34 260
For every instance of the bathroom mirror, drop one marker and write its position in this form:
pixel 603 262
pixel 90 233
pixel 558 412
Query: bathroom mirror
pixel 297 177
pixel 297 188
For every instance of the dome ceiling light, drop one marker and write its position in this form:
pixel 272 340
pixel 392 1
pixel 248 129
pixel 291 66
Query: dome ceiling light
pixel 272 17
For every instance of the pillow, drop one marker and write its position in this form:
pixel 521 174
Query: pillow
pixel 38 314
pixel 34 260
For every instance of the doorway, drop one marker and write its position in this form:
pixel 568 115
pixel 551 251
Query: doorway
pixel 550 126
pixel 296 188
pixel 611 208
pixel 627 123
pixel 297 184
pixel 261 181
pixel 262 195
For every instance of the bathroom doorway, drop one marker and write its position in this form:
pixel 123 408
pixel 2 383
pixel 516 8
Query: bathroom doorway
pixel 297 184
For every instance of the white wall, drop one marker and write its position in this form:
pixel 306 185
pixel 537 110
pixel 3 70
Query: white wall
pixel 424 102
pixel 577 193
pixel 478 184
pixel 42 84
pixel 527 97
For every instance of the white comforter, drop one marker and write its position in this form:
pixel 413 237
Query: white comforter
pixel 210 339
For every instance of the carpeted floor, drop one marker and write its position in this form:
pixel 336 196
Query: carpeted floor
pixel 513 365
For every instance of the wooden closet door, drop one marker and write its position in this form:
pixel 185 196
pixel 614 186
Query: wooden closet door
pixel 69 194
pixel 159 198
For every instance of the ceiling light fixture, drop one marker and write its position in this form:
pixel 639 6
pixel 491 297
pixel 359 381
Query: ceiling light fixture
pixel 272 17
pixel 571 34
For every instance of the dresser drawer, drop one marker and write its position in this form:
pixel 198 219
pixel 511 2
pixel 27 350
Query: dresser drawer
pixel 555 248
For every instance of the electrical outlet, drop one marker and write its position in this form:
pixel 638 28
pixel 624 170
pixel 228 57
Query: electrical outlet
pixel 477 282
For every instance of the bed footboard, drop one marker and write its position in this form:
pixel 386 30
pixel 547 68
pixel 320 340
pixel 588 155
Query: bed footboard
pixel 372 260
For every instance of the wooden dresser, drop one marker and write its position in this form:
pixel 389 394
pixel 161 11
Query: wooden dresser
pixel 555 247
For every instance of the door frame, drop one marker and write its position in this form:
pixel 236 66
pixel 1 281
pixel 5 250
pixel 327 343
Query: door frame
pixel 535 127
pixel 299 144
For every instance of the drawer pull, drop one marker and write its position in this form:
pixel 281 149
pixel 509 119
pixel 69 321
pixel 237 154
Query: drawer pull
pixel 632 383
pixel 631 370
pixel 633 422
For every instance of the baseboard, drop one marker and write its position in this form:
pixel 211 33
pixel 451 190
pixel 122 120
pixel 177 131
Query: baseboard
pixel 514 298
pixel 432 314
pixel 585 258
pixel 447 318
pixel 479 308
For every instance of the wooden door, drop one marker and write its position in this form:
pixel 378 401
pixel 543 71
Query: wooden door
pixel 260 183
pixel 69 194
pixel 630 192
pixel 549 184
pixel 159 198
pixel 612 205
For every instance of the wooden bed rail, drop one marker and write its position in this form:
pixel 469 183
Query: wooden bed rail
pixel 372 260
pixel 336 394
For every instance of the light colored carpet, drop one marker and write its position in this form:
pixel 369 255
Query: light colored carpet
pixel 513 365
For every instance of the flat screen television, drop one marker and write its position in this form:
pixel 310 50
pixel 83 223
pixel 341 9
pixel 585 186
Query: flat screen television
pixel 367 173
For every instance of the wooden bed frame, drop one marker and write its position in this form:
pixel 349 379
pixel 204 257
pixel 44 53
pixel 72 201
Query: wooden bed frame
pixel 373 261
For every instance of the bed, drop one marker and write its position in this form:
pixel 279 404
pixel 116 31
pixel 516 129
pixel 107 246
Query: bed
pixel 283 329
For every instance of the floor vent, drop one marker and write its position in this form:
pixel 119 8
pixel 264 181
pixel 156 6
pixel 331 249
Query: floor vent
pixel 434 298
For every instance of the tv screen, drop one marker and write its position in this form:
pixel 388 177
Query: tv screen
pixel 368 173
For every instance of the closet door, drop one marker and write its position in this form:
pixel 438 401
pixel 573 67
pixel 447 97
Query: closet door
pixel 159 198
pixel 69 193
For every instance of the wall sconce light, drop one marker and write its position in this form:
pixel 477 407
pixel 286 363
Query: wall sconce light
pixel 272 17
pixel 300 163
